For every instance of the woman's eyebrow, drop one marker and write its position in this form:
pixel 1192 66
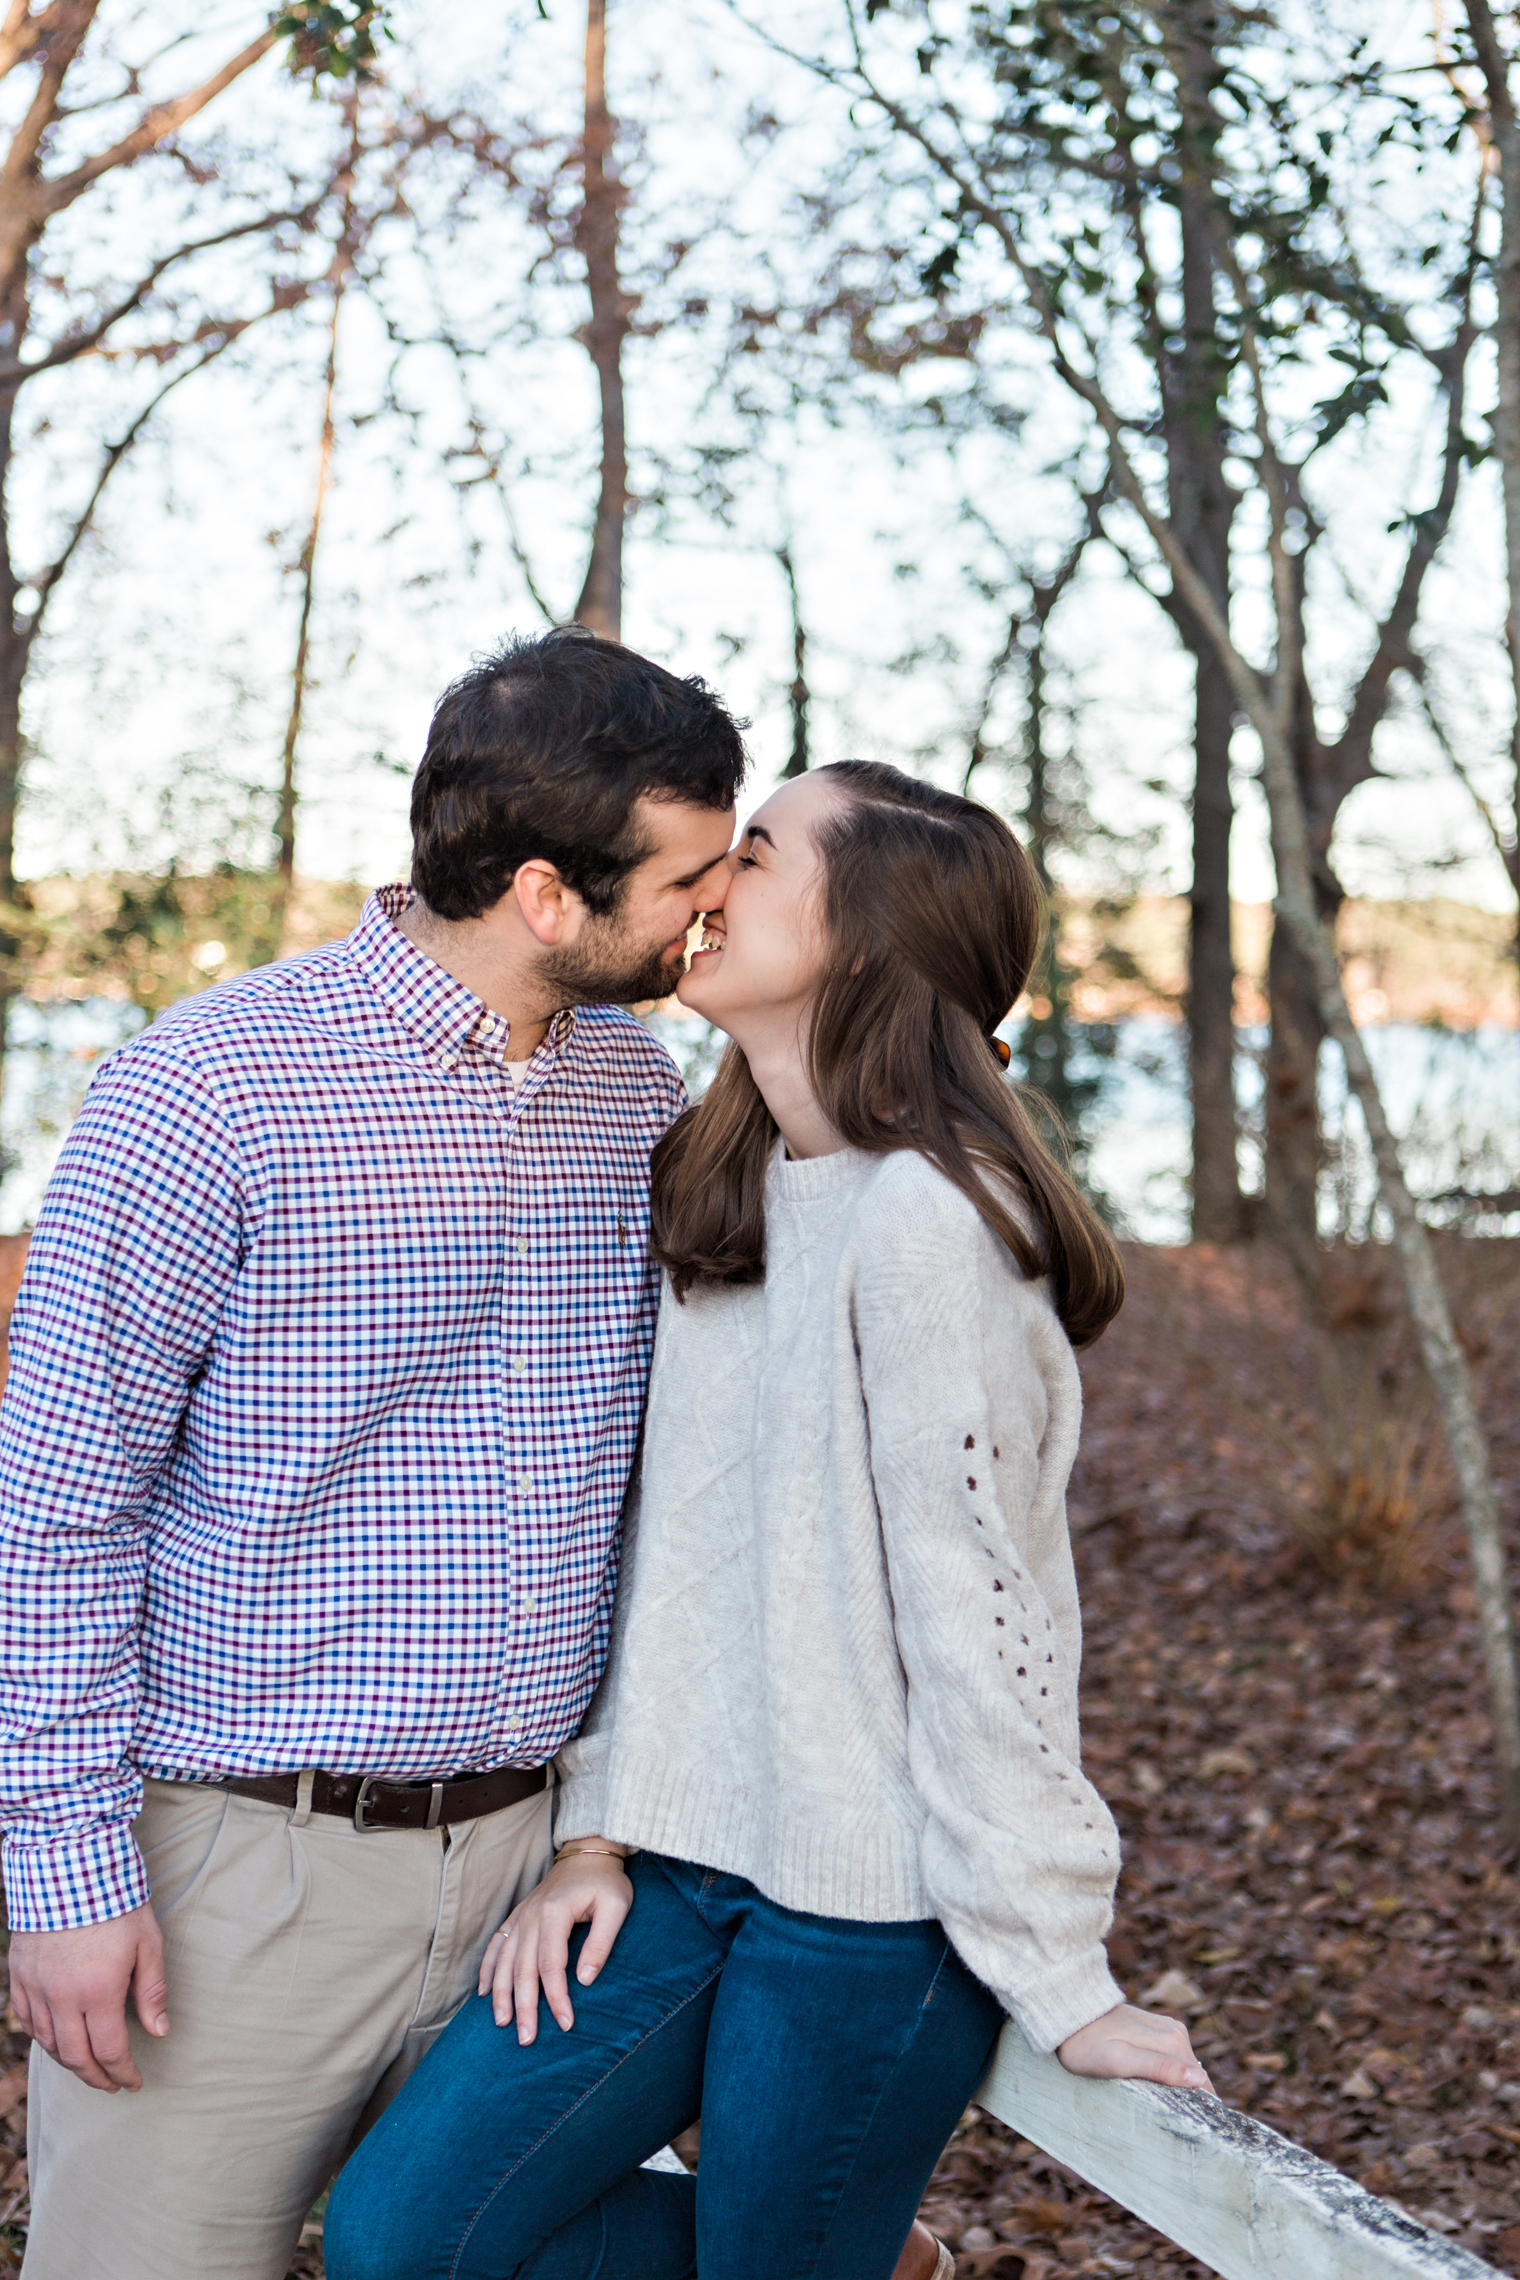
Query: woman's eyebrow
pixel 758 831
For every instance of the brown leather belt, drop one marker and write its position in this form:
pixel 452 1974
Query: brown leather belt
pixel 373 1804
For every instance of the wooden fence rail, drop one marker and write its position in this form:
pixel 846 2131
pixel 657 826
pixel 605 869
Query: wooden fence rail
pixel 1247 2203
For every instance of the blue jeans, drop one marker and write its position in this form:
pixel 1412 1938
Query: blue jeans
pixel 829 2062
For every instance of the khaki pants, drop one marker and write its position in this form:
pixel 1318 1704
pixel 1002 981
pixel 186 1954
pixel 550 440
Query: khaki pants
pixel 309 1967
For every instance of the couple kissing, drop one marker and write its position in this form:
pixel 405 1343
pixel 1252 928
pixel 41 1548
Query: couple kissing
pixel 533 1613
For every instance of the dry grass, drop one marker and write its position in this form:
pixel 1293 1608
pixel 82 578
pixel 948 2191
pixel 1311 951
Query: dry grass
pixel 1379 1484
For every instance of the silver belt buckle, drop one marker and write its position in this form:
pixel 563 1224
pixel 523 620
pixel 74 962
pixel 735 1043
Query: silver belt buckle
pixel 362 1821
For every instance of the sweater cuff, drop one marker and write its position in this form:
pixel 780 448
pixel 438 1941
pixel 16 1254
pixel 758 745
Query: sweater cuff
pixel 87 1877
pixel 579 1788
pixel 1070 1996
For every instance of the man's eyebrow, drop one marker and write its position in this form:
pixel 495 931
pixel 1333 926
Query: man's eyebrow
pixel 692 877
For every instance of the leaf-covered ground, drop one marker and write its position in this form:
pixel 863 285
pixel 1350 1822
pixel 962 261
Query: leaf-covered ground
pixel 1298 1762
pixel 1294 1743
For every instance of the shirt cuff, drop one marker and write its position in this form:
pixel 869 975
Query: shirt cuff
pixel 86 1877
pixel 1067 1998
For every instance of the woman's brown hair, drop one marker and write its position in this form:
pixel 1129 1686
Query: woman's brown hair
pixel 932 913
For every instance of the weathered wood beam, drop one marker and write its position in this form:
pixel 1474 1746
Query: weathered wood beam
pixel 1247 2203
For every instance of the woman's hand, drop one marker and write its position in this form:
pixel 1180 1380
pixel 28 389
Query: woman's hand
pixel 532 1949
pixel 1131 2045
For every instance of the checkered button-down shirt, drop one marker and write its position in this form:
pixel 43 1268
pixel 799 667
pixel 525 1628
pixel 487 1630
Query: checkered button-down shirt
pixel 326 1376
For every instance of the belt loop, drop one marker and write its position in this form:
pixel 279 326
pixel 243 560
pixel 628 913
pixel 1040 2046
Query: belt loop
pixel 435 1806
pixel 304 1785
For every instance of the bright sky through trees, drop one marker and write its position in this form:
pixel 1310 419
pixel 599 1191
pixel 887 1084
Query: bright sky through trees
pixel 157 711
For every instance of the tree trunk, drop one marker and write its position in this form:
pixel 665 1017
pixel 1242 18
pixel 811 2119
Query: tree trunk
pixel 1291 1106
pixel 1443 1355
pixel 1294 1147
pixel 1218 1213
pixel 15 646
pixel 1050 1039
pixel 601 604
pixel 52 38
pixel 15 656
pixel 1039 820
pixel 798 694
pixel 1202 504
pixel 1293 851
pixel 285 821
pixel 1505 129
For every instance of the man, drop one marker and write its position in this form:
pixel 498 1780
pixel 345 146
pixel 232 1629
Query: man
pixel 327 1372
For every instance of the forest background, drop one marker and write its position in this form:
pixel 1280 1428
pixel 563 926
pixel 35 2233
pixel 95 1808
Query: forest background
pixel 1095 407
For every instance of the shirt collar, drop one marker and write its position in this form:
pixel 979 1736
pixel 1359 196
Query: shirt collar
pixel 428 1003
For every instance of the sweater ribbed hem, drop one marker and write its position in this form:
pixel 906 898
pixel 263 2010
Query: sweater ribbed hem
pixel 865 1875
pixel 1069 1996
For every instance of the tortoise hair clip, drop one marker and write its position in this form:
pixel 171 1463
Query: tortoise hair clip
pixel 1002 1048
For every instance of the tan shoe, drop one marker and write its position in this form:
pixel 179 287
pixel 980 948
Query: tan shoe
pixel 923 2257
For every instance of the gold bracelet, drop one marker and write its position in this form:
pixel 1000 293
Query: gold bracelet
pixel 574 1850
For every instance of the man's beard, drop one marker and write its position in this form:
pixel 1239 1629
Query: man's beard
pixel 602 972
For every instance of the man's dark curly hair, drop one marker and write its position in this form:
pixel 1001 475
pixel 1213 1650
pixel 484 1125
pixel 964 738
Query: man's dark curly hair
pixel 541 750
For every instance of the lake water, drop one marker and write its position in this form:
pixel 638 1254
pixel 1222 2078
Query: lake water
pixel 1453 1097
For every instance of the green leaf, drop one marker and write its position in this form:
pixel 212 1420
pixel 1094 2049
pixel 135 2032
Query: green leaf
pixel 332 39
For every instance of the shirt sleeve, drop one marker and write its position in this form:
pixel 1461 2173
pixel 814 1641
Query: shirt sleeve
pixel 676 1099
pixel 135 1250
pixel 969 1452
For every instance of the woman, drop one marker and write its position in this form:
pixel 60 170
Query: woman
pixel 826 1822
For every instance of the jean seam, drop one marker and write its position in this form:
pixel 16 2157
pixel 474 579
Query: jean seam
pixel 601 2254
pixel 895 2069
pixel 559 2123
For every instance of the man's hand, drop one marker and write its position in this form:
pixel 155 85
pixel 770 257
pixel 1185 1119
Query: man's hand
pixel 70 1992
pixel 533 1946
pixel 1132 2045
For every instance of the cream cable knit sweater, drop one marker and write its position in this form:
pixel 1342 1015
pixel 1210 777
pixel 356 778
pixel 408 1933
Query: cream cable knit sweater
pixel 845 1652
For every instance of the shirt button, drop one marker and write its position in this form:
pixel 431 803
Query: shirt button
pixel 514 1723
pixel 529 1603
pixel 519 1364
pixel 449 1060
pixel 523 1484
pixel 522 1246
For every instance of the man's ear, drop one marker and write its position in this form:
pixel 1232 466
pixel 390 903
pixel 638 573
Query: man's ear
pixel 551 910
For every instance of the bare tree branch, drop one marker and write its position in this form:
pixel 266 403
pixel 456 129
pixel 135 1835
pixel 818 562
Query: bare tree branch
pixel 596 236
pixel 218 336
pixel 1503 140
pixel 155 126
pixel 1351 754
pixel 19 220
pixel 21 32
pixel 46 582
pixel 80 343
pixel 1507 850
